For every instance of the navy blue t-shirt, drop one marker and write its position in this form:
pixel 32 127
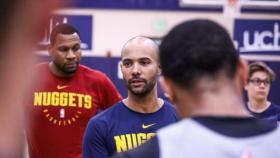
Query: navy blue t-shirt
pixel 272 113
pixel 119 128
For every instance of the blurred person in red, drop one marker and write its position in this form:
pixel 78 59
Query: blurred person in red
pixel 67 96
pixel 17 41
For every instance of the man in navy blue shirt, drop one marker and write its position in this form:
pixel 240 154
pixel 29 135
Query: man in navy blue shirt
pixel 135 119
pixel 258 87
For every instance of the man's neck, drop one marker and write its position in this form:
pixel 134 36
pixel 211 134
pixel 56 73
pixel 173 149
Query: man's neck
pixel 222 107
pixel 217 99
pixel 144 104
pixel 57 72
pixel 258 106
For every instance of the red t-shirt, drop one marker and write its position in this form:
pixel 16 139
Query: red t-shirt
pixel 61 109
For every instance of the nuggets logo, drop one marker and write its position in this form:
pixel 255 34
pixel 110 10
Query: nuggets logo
pixel 59 103
pixel 129 141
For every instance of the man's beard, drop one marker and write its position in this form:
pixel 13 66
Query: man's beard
pixel 65 68
pixel 145 90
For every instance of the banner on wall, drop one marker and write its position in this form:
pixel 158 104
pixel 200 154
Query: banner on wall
pixel 83 23
pixel 259 40
pixel 260 37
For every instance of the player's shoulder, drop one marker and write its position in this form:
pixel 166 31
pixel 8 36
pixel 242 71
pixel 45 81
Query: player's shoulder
pixel 176 131
pixel 277 106
pixel 40 66
pixel 107 116
pixel 173 129
pixel 41 69
pixel 91 72
pixel 169 107
pixel 167 104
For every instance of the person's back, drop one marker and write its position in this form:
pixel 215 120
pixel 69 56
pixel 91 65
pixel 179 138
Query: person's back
pixel 220 138
pixel 204 77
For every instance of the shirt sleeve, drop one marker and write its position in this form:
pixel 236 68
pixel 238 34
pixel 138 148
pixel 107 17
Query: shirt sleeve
pixel 94 143
pixel 110 94
pixel 278 115
pixel 277 109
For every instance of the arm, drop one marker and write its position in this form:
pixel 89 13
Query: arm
pixel 94 143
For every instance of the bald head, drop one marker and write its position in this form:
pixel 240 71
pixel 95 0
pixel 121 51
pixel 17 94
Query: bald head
pixel 142 44
pixel 140 66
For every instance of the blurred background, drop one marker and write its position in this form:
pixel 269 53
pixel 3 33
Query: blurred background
pixel 105 25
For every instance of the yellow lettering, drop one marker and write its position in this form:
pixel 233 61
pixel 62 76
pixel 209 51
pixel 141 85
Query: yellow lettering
pixel 120 143
pixel 72 99
pixel 129 141
pixel 37 99
pixel 88 102
pixel 150 135
pixel 46 98
pixel 80 100
pixel 55 99
pixel 134 140
pixel 141 138
pixel 63 100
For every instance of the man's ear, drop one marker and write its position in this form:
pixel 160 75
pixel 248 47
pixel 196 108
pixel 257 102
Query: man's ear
pixel 166 85
pixel 121 66
pixel 159 69
pixel 243 71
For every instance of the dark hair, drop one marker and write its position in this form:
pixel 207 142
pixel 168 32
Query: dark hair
pixel 62 29
pixel 197 48
pixel 261 66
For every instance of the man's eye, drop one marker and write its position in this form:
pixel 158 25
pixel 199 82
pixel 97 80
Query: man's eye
pixel 259 81
pixel 126 64
pixel 63 49
pixel 76 48
pixel 145 62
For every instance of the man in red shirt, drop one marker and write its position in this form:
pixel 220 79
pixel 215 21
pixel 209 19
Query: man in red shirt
pixel 67 96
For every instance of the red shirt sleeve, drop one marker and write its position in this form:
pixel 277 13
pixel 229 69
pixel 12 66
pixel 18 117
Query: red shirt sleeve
pixel 110 94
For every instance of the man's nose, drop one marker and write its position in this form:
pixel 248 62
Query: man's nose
pixel 136 69
pixel 70 54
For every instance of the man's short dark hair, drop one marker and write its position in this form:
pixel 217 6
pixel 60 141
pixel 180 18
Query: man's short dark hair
pixel 261 66
pixel 62 29
pixel 197 48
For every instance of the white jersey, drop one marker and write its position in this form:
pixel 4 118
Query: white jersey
pixel 190 139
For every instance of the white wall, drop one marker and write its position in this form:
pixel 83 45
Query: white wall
pixel 112 28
